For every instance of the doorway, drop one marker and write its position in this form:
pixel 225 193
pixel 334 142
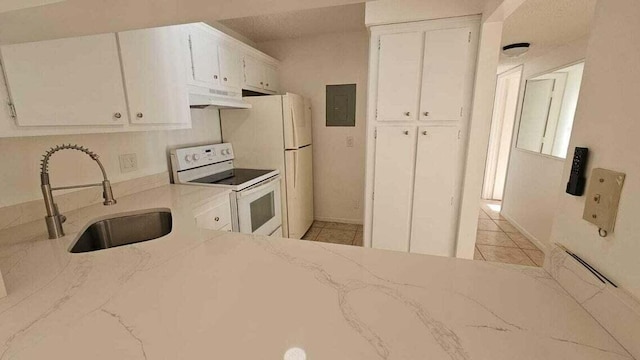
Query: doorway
pixel 502 122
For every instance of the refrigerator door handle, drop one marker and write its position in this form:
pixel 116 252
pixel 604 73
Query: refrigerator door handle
pixel 294 129
pixel 295 168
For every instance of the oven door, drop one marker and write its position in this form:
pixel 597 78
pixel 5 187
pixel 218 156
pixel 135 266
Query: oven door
pixel 259 210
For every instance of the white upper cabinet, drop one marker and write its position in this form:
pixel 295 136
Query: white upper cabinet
pixel 205 66
pixel 75 81
pixel 154 69
pixel 260 76
pixel 270 78
pixel 393 187
pixel 433 229
pixel 444 74
pixel 230 67
pixel 399 67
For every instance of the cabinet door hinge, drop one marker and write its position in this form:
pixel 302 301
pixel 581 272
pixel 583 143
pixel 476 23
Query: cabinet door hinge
pixel 469 37
pixel 375 133
pixel 459 134
pixel 12 110
pixel 193 69
pixel 373 195
pixel 379 44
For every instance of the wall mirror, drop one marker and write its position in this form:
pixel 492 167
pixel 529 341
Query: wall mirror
pixel 548 108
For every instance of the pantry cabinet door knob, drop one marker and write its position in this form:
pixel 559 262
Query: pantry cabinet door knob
pixel 225 79
pixel 406 132
pixel 117 115
pixel 407 114
pixel 215 77
pixel 216 218
pixel 426 113
pixel 139 115
pixel 424 133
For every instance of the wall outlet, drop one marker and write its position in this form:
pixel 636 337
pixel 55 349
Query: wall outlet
pixel 349 141
pixel 128 163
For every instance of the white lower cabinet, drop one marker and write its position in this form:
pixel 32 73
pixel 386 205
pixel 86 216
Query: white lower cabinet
pixel 433 224
pixel 393 187
pixel 414 189
pixel 215 216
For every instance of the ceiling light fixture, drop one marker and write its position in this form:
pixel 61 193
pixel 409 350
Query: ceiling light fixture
pixel 517 49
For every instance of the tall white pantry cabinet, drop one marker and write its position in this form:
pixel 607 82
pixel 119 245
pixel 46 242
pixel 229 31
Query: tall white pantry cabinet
pixel 419 98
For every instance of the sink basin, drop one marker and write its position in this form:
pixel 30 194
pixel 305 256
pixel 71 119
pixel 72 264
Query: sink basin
pixel 123 229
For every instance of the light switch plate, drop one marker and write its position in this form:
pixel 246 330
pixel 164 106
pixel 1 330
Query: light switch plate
pixel 128 163
pixel 603 196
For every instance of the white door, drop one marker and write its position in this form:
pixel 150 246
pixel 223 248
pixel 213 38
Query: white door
pixel 444 74
pixel 230 67
pixel 393 187
pixel 253 72
pixel 433 225
pixel 535 112
pixel 299 165
pixel 297 121
pixel 399 76
pixel 270 78
pixel 154 74
pixel 205 68
pixel 75 81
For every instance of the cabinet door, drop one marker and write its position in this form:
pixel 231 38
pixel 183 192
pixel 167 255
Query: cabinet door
pixel 230 67
pixel 393 187
pixel 433 225
pixel 253 72
pixel 444 75
pixel 154 75
pixel 399 76
pixel 205 68
pixel 270 78
pixel 75 81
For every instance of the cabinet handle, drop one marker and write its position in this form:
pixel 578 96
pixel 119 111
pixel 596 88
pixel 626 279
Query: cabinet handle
pixel 267 84
pixel 215 77
pixel 225 79
pixel 424 133
pixel 426 113
pixel 117 115
pixel 406 132
pixel 139 115
pixel 261 83
pixel 407 114
pixel 216 218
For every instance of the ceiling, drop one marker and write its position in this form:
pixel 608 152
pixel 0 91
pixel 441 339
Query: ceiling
pixel 70 18
pixel 546 24
pixel 300 23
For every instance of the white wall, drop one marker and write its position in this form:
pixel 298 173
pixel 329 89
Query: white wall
pixel 607 123
pixel 20 157
pixel 534 181
pixel 396 11
pixel 307 66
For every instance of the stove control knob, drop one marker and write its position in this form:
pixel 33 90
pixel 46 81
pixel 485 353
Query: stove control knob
pixel 187 158
pixel 196 157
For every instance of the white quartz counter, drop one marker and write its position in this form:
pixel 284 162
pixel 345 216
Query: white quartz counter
pixel 198 294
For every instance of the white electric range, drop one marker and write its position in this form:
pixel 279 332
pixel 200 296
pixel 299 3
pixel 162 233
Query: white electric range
pixel 255 196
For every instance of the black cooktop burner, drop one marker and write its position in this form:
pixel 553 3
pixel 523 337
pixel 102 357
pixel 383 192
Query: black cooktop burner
pixel 232 177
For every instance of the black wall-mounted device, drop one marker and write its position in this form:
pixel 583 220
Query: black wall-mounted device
pixel 577 180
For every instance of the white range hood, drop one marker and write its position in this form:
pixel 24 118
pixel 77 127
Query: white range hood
pixel 201 97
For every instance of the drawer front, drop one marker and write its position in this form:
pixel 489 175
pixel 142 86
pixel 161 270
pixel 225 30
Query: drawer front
pixel 216 218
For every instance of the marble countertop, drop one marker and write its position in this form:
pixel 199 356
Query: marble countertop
pixel 201 294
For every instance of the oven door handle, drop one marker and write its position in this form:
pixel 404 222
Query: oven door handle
pixel 258 187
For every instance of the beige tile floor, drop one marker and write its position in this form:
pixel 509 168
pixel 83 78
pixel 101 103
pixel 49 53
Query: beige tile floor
pixel 333 232
pixel 499 241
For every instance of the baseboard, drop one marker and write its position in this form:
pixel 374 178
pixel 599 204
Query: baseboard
pixel 339 220
pixel 540 244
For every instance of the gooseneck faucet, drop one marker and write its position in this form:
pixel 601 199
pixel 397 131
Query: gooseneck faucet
pixel 54 219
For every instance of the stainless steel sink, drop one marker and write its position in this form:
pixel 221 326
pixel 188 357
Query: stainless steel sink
pixel 123 229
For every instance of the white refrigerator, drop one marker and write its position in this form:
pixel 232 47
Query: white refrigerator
pixel 276 134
